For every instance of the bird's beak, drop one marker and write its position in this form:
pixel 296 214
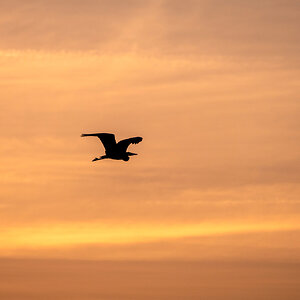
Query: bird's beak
pixel 130 153
pixel 95 159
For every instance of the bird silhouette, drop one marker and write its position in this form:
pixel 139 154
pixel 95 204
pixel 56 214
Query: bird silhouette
pixel 114 150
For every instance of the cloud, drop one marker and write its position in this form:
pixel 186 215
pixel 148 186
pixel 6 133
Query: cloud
pixel 71 25
pixel 257 28
pixel 79 279
pixel 211 87
pixel 213 125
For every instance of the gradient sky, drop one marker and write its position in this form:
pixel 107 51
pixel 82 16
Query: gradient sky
pixel 212 87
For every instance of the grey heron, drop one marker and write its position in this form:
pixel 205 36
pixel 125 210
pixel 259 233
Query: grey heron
pixel 114 150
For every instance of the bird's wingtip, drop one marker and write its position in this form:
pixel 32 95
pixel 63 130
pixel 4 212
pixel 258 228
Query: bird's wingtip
pixel 137 140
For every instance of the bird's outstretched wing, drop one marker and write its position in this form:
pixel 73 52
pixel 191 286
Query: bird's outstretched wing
pixel 108 139
pixel 123 145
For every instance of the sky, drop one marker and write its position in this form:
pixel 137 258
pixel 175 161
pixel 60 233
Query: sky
pixel 213 195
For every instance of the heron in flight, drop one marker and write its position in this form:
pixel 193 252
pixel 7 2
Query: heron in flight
pixel 115 150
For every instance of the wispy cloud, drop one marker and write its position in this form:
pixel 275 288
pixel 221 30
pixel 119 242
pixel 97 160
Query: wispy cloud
pixel 258 28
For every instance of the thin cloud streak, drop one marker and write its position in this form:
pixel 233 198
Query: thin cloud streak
pixel 70 234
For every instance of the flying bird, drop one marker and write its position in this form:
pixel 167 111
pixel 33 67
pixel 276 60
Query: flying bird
pixel 115 150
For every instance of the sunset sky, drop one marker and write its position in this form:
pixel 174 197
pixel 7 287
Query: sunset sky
pixel 210 206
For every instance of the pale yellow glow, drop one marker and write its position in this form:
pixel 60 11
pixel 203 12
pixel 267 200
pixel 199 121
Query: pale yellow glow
pixel 59 235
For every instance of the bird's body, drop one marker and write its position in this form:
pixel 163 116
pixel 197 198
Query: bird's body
pixel 115 150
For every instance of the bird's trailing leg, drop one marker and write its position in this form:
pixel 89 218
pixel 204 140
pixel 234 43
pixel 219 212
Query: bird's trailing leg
pixel 101 157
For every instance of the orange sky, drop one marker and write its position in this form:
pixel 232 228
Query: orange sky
pixel 211 86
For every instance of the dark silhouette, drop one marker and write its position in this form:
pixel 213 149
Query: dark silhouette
pixel 115 150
